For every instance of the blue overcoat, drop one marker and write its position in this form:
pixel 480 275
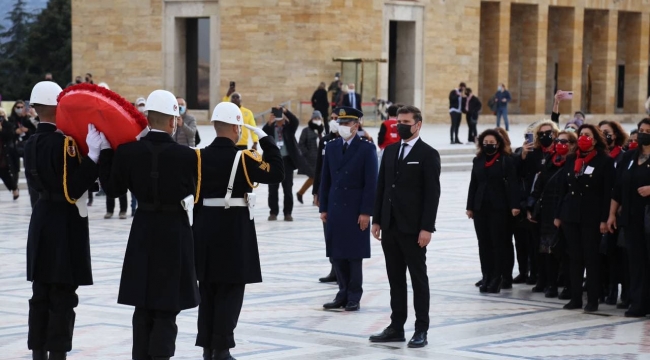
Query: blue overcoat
pixel 347 190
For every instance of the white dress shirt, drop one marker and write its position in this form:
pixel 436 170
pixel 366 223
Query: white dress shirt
pixel 408 148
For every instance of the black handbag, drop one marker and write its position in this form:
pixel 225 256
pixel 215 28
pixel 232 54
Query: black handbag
pixel 536 214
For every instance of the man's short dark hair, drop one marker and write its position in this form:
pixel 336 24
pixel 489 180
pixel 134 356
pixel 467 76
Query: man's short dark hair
pixel 89 74
pixel 409 109
pixel 158 118
pixel 462 85
pixel 392 110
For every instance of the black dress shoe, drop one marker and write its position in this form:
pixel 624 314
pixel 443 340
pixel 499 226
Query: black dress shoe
pixel 57 355
pixel 531 280
pixel 495 286
pixel 208 354
pixel 479 283
pixel 299 197
pixel 635 313
pixel 506 283
pixel 336 304
pixel 591 307
pixel 572 306
pixel 519 279
pixel 538 289
pixel 388 335
pixel 551 292
pixel 458 142
pixel 39 355
pixel 329 278
pixel 565 294
pixel 222 355
pixel 623 305
pixel 352 306
pixel 418 340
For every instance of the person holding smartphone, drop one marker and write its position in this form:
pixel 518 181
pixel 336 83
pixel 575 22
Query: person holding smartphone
pixel 282 127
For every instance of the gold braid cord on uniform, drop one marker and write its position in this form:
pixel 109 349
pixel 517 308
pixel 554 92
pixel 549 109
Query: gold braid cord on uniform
pixel 257 157
pixel 198 170
pixel 73 152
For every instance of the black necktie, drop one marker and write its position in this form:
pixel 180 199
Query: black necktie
pixel 400 158
pixel 401 155
pixel 345 147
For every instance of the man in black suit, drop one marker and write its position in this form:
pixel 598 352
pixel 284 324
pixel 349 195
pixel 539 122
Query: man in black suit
pixel 158 276
pixel 456 102
pixel 352 99
pixel 406 205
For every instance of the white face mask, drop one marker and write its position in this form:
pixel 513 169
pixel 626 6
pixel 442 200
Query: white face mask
pixel 141 108
pixel 345 132
pixel 499 88
pixel 351 91
pixel 317 122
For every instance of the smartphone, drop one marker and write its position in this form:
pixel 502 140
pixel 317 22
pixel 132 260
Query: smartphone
pixel 26 107
pixel 566 95
pixel 232 84
pixel 529 138
pixel 277 112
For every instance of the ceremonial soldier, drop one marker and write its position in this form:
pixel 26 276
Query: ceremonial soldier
pixel 158 276
pixel 347 196
pixel 226 244
pixel 58 247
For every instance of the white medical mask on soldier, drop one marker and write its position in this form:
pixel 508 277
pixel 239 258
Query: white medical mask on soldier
pixel 345 132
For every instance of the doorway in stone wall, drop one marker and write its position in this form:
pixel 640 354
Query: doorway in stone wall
pixel 401 62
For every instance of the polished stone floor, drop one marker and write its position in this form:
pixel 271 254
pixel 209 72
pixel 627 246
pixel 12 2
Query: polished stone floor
pixel 283 317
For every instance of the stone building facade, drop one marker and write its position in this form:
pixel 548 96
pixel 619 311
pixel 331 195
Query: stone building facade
pixel 279 50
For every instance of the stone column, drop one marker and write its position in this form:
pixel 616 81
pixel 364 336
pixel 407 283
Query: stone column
pixel 503 47
pixel 603 73
pixel 570 56
pixel 494 49
pixel 636 60
pixel 539 76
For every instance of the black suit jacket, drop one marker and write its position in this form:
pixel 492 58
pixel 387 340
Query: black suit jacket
pixel 489 184
pixel 410 196
pixel 346 101
pixel 587 198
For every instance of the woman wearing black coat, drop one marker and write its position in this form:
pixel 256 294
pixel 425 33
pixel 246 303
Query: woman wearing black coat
pixel 308 145
pixel 492 201
pixel 320 102
pixel 542 203
pixel 583 211
pixel 7 132
pixel 630 199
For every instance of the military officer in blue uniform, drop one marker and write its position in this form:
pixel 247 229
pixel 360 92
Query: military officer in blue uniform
pixel 346 195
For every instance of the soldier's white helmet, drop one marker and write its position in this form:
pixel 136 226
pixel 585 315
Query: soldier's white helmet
pixel 162 101
pixel 45 93
pixel 228 113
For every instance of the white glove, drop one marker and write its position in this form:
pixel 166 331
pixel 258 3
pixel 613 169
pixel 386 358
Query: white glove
pixel 94 142
pixel 143 133
pixel 259 132
pixel 105 144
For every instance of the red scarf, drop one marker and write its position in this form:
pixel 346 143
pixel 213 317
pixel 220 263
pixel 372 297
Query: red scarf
pixel 491 162
pixel 583 160
pixel 549 150
pixel 558 160
pixel 615 151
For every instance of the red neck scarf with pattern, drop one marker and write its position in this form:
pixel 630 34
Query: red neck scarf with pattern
pixel 583 160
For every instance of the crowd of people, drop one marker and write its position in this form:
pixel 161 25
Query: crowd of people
pixel 574 199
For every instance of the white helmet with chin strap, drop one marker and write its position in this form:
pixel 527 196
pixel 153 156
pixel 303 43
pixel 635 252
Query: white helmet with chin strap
pixel 228 113
pixel 45 93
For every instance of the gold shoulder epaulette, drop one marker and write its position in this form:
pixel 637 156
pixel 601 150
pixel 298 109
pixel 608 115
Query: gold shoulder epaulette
pixel 253 155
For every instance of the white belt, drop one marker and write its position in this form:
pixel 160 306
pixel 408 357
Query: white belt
pixel 221 202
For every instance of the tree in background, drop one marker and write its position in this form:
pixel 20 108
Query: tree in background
pixel 33 46
pixel 14 58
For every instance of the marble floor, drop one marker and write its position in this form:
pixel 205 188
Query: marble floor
pixel 283 317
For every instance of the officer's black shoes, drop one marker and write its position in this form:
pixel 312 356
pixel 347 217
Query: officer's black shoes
pixel 39 355
pixel 57 355
pixel 273 217
pixel 565 294
pixel 288 218
pixel 572 306
pixel 299 197
pixel 506 283
pixel 388 335
pixel 551 292
pixel 418 340
pixel 329 278
pixel 591 307
pixel 222 355
pixel 352 306
pixel 495 286
pixel 519 279
pixel 336 304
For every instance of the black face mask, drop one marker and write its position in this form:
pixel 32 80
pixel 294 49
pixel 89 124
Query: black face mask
pixel 609 140
pixel 546 141
pixel 404 131
pixel 490 148
pixel 643 139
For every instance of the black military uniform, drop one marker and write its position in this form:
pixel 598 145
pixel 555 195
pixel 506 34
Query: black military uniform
pixel 158 276
pixel 58 246
pixel 226 243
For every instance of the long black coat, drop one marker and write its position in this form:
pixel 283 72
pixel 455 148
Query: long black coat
pixel 226 243
pixel 308 145
pixel 320 102
pixel 586 198
pixel 547 191
pixel 488 185
pixel 58 245
pixel 158 271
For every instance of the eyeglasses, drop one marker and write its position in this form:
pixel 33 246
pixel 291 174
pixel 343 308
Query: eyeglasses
pixel 544 133
pixel 562 141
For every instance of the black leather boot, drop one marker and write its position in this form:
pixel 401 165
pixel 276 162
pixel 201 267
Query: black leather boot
pixel 483 287
pixel 39 355
pixel 495 286
pixel 207 354
pixel 223 355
